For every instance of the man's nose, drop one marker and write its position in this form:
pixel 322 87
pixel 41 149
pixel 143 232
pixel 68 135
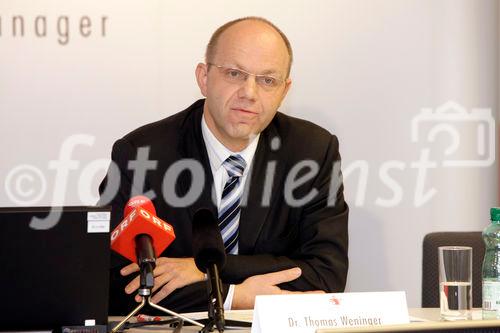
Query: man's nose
pixel 249 88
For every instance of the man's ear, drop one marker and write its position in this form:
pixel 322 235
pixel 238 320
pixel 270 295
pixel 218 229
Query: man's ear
pixel 201 73
pixel 288 84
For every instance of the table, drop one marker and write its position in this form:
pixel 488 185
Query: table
pixel 428 320
pixel 241 315
pixel 422 319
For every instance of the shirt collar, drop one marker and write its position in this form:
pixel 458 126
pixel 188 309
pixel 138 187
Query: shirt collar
pixel 218 153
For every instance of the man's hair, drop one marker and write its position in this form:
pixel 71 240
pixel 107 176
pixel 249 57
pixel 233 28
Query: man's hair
pixel 212 43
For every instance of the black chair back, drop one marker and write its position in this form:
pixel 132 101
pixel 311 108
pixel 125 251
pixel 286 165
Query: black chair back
pixel 430 272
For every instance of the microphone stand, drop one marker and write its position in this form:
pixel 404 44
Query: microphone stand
pixel 147 283
pixel 215 307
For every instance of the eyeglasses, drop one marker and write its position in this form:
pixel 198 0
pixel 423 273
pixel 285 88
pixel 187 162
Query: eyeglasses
pixel 238 76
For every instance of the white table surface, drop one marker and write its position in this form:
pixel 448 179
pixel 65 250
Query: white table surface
pixel 419 317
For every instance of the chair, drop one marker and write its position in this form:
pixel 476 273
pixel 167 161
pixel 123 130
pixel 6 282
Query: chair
pixel 430 272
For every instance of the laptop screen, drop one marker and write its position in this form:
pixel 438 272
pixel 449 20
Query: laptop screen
pixel 54 277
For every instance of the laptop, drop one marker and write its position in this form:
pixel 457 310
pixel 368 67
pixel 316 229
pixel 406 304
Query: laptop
pixel 54 277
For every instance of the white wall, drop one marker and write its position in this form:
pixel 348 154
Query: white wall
pixel 363 69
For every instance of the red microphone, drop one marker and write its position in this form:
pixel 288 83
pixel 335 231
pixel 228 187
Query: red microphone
pixel 141 235
pixel 139 201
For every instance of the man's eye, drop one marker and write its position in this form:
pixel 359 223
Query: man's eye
pixel 268 80
pixel 233 73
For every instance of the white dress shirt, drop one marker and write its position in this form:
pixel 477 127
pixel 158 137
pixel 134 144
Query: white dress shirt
pixel 217 154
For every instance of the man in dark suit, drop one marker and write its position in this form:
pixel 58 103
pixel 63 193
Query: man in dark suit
pixel 271 179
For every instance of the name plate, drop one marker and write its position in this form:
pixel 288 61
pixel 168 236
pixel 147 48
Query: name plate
pixel 304 313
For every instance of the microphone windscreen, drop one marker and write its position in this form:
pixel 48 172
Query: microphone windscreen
pixel 139 201
pixel 140 221
pixel 208 247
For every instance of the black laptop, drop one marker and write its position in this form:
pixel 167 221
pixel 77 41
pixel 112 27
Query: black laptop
pixel 53 277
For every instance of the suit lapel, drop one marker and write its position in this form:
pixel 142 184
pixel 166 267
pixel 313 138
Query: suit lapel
pixel 192 146
pixel 254 212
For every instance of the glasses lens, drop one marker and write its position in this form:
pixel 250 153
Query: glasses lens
pixel 234 75
pixel 267 81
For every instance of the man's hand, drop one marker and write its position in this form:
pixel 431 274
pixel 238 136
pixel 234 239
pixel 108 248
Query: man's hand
pixel 265 284
pixel 170 274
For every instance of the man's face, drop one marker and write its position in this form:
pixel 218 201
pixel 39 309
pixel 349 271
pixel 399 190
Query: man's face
pixel 237 110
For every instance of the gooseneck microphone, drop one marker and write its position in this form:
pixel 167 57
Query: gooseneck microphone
pixel 210 257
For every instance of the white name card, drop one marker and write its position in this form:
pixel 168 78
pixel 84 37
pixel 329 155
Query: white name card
pixel 304 313
pixel 98 222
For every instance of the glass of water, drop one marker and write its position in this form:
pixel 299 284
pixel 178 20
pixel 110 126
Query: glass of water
pixel 455 282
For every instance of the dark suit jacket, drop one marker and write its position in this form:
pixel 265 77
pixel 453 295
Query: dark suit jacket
pixel 279 236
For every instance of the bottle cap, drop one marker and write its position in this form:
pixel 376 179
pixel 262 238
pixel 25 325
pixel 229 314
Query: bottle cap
pixel 495 213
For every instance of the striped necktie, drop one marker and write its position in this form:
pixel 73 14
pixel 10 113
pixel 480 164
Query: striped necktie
pixel 229 210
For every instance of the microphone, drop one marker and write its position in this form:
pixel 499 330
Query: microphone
pixel 210 257
pixel 150 235
pixel 139 201
pixel 141 235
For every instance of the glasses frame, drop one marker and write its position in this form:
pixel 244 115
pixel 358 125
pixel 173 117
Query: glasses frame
pixel 258 77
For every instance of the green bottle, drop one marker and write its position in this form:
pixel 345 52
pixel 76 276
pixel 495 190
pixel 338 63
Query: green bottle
pixel 491 267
